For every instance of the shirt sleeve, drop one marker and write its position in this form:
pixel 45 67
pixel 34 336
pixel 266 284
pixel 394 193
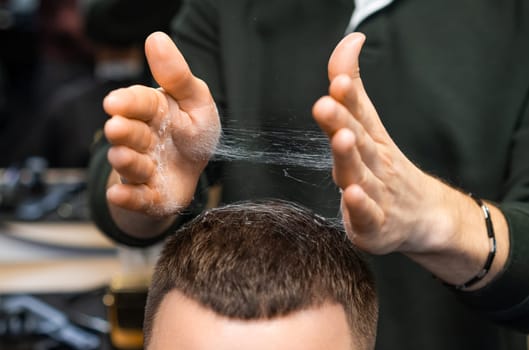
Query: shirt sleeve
pixel 506 299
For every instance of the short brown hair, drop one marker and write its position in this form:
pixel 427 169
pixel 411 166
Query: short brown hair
pixel 264 259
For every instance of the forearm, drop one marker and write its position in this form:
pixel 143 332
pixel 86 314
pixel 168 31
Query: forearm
pixel 458 245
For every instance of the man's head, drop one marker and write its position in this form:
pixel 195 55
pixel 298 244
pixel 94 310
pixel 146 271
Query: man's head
pixel 260 275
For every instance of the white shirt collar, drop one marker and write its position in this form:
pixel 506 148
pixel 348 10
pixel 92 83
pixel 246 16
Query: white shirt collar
pixel 364 9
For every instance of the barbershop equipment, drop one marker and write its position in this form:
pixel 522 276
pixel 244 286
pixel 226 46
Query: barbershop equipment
pixel 24 315
pixel 127 294
pixel 33 192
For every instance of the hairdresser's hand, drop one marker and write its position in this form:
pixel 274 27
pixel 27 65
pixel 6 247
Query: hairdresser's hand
pixel 388 204
pixel 161 138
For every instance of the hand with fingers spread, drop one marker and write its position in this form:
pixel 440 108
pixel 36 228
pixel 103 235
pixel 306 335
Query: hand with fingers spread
pixel 375 177
pixel 161 138
pixel 389 204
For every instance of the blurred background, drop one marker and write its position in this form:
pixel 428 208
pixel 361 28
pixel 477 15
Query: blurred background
pixel 61 281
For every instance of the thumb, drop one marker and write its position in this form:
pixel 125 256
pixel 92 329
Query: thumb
pixel 171 71
pixel 344 58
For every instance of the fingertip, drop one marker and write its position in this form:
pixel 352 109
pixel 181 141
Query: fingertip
pixel 343 142
pixel 345 158
pixel 113 129
pixel 351 43
pixel 122 195
pixel 156 38
pixel 159 45
pixel 119 157
pixel 156 43
pixel 339 87
pixel 324 112
pixel 111 102
pixel 153 35
pixel 108 129
pixel 352 197
pixel 353 194
pixel 344 58
pixel 111 191
pixel 115 195
pixel 355 38
pixel 324 105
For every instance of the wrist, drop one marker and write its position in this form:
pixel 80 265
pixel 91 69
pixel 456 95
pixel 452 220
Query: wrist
pixel 140 225
pixel 481 275
pixel 451 238
pixel 440 220
pixel 455 244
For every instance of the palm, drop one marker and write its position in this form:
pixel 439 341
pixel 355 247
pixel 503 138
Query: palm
pixel 381 187
pixel 162 138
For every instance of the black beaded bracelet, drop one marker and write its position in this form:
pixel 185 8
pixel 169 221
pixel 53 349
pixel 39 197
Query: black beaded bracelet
pixel 492 251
